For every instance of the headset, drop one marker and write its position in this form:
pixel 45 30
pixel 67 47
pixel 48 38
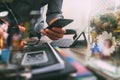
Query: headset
pixel 15 29
pixel 11 15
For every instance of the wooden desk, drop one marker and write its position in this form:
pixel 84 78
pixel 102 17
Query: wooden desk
pixel 79 55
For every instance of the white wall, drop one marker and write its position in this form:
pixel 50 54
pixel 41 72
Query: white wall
pixel 80 11
pixel 77 10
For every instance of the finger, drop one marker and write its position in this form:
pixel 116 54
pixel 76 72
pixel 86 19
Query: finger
pixel 53 20
pixel 59 30
pixel 22 44
pixel 52 37
pixel 1 32
pixel 52 33
pixel 43 32
pixel 5 35
pixel 22 29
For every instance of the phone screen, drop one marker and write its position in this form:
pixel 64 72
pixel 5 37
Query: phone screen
pixel 60 23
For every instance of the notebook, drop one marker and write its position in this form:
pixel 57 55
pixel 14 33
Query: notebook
pixel 41 58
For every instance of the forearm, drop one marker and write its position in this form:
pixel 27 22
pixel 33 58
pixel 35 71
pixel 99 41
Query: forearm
pixel 54 10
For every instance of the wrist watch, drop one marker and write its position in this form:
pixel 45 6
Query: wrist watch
pixel 3 14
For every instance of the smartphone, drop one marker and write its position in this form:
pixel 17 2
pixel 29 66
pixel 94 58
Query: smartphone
pixel 60 23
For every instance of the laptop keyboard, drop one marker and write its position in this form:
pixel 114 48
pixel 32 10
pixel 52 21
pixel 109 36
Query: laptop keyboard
pixel 62 43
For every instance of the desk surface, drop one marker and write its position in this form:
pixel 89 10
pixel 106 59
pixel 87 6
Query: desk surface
pixel 79 55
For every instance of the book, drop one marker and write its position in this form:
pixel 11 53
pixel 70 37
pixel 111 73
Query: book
pixel 54 62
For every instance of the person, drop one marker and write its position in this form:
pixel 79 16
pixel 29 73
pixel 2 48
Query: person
pixel 22 8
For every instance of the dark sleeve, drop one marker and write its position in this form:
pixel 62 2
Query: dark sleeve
pixel 54 9
pixel 21 9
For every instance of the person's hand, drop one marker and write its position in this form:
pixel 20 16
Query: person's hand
pixel 4 28
pixel 3 32
pixel 22 28
pixel 54 33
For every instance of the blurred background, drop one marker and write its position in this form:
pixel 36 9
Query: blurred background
pixel 82 10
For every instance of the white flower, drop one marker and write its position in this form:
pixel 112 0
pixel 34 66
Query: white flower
pixel 106 43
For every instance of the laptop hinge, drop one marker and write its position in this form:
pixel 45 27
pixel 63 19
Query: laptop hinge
pixel 79 43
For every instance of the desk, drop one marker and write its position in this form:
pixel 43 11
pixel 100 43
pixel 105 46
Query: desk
pixel 76 53
pixel 79 55
pixel 36 71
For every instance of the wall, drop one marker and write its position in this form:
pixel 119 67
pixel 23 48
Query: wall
pixel 77 10
pixel 81 10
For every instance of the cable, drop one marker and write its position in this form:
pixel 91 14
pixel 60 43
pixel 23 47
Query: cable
pixel 11 31
pixel 36 43
pixel 10 10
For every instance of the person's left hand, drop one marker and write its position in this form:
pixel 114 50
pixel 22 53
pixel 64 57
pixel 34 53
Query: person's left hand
pixel 54 33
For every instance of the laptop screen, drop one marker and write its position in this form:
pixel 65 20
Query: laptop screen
pixel 79 34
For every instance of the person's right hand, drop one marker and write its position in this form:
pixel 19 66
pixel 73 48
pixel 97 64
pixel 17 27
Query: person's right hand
pixel 55 33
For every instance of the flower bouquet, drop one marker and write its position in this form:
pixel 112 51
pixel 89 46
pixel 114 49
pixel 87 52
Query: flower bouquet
pixel 104 44
pixel 105 35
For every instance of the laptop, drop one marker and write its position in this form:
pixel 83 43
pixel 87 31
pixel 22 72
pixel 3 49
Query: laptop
pixel 67 43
